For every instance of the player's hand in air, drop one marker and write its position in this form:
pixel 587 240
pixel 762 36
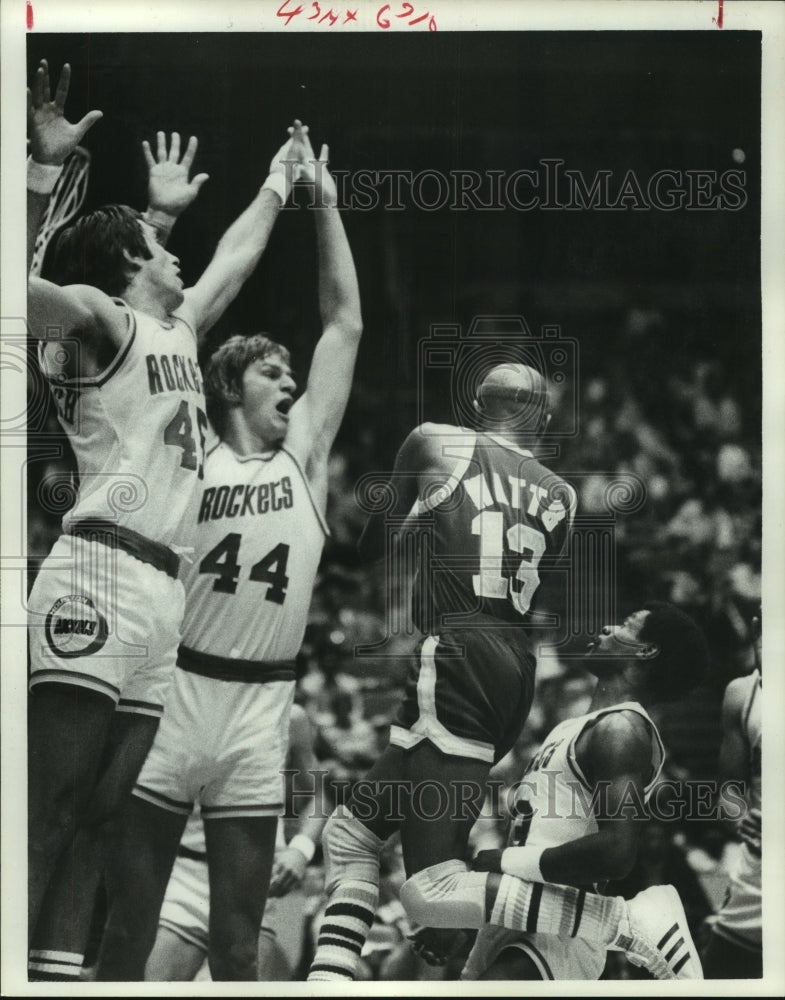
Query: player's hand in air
pixel 290 157
pixel 314 171
pixel 288 871
pixel 169 189
pixel 488 861
pixel 52 137
pixel 435 945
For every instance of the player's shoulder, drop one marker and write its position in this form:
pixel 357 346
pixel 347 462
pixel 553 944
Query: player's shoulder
pixel 561 495
pixel 425 444
pixel 618 731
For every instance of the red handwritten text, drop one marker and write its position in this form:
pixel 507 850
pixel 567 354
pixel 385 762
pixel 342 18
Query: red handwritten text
pixel 331 16
pixel 406 11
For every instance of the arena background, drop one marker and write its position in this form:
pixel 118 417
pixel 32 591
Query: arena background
pixel 664 305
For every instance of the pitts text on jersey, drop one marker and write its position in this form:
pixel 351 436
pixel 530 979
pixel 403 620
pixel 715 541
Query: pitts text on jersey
pixel 501 519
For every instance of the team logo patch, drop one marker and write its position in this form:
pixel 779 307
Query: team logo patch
pixel 75 627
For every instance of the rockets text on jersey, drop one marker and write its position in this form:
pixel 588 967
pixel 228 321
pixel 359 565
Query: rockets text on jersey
pixel 258 541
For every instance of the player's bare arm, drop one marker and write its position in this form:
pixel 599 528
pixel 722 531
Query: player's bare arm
pixel 169 189
pixel 77 309
pixel 317 415
pixel 242 245
pixel 52 140
pixel 421 467
pixel 290 862
pixel 615 756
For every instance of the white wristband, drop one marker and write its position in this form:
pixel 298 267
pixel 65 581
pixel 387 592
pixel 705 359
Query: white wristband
pixel 304 845
pixel 279 184
pixel 42 177
pixel 523 862
pixel 160 220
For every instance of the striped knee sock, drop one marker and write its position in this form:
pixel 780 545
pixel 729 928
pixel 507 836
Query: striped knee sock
pixel 550 909
pixel 347 921
pixel 45 966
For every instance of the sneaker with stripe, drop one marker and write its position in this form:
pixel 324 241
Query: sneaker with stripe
pixel 658 938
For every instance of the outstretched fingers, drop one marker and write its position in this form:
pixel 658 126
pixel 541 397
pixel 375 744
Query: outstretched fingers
pixel 174 148
pixel 87 122
pixel 190 152
pixel 43 73
pixel 62 86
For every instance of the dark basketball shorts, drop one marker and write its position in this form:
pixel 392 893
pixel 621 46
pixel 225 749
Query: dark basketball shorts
pixel 468 691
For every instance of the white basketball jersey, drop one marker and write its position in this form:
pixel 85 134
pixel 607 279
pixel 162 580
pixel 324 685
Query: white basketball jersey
pixel 137 430
pixel 258 540
pixel 553 800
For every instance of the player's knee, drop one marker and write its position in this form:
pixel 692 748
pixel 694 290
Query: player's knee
pixel 233 956
pixel 445 895
pixel 128 938
pixel 351 851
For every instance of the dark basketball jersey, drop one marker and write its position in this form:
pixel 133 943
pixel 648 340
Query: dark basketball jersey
pixel 500 520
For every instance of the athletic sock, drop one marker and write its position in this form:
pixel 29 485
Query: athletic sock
pixel 547 909
pixel 449 895
pixel 45 966
pixel 347 921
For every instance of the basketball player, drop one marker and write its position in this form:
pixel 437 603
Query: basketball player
pixel 183 926
pixel 498 519
pixel 581 798
pixel 735 950
pixel 117 345
pixel 258 532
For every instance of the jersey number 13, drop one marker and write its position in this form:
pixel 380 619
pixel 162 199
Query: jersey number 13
pixel 494 580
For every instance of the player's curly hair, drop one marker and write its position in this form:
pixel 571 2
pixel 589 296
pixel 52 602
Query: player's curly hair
pixel 683 658
pixel 223 376
pixel 91 251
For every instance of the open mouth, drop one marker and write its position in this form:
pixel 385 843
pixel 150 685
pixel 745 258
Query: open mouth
pixel 285 405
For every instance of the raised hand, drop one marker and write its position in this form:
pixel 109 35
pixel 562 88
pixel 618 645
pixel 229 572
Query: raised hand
pixel 52 138
pixel 314 171
pixel 169 190
pixel 290 157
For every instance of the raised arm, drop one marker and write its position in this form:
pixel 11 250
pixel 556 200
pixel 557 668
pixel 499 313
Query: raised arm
pixel 242 245
pixel 52 140
pixel 77 308
pixel 169 189
pixel 317 415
